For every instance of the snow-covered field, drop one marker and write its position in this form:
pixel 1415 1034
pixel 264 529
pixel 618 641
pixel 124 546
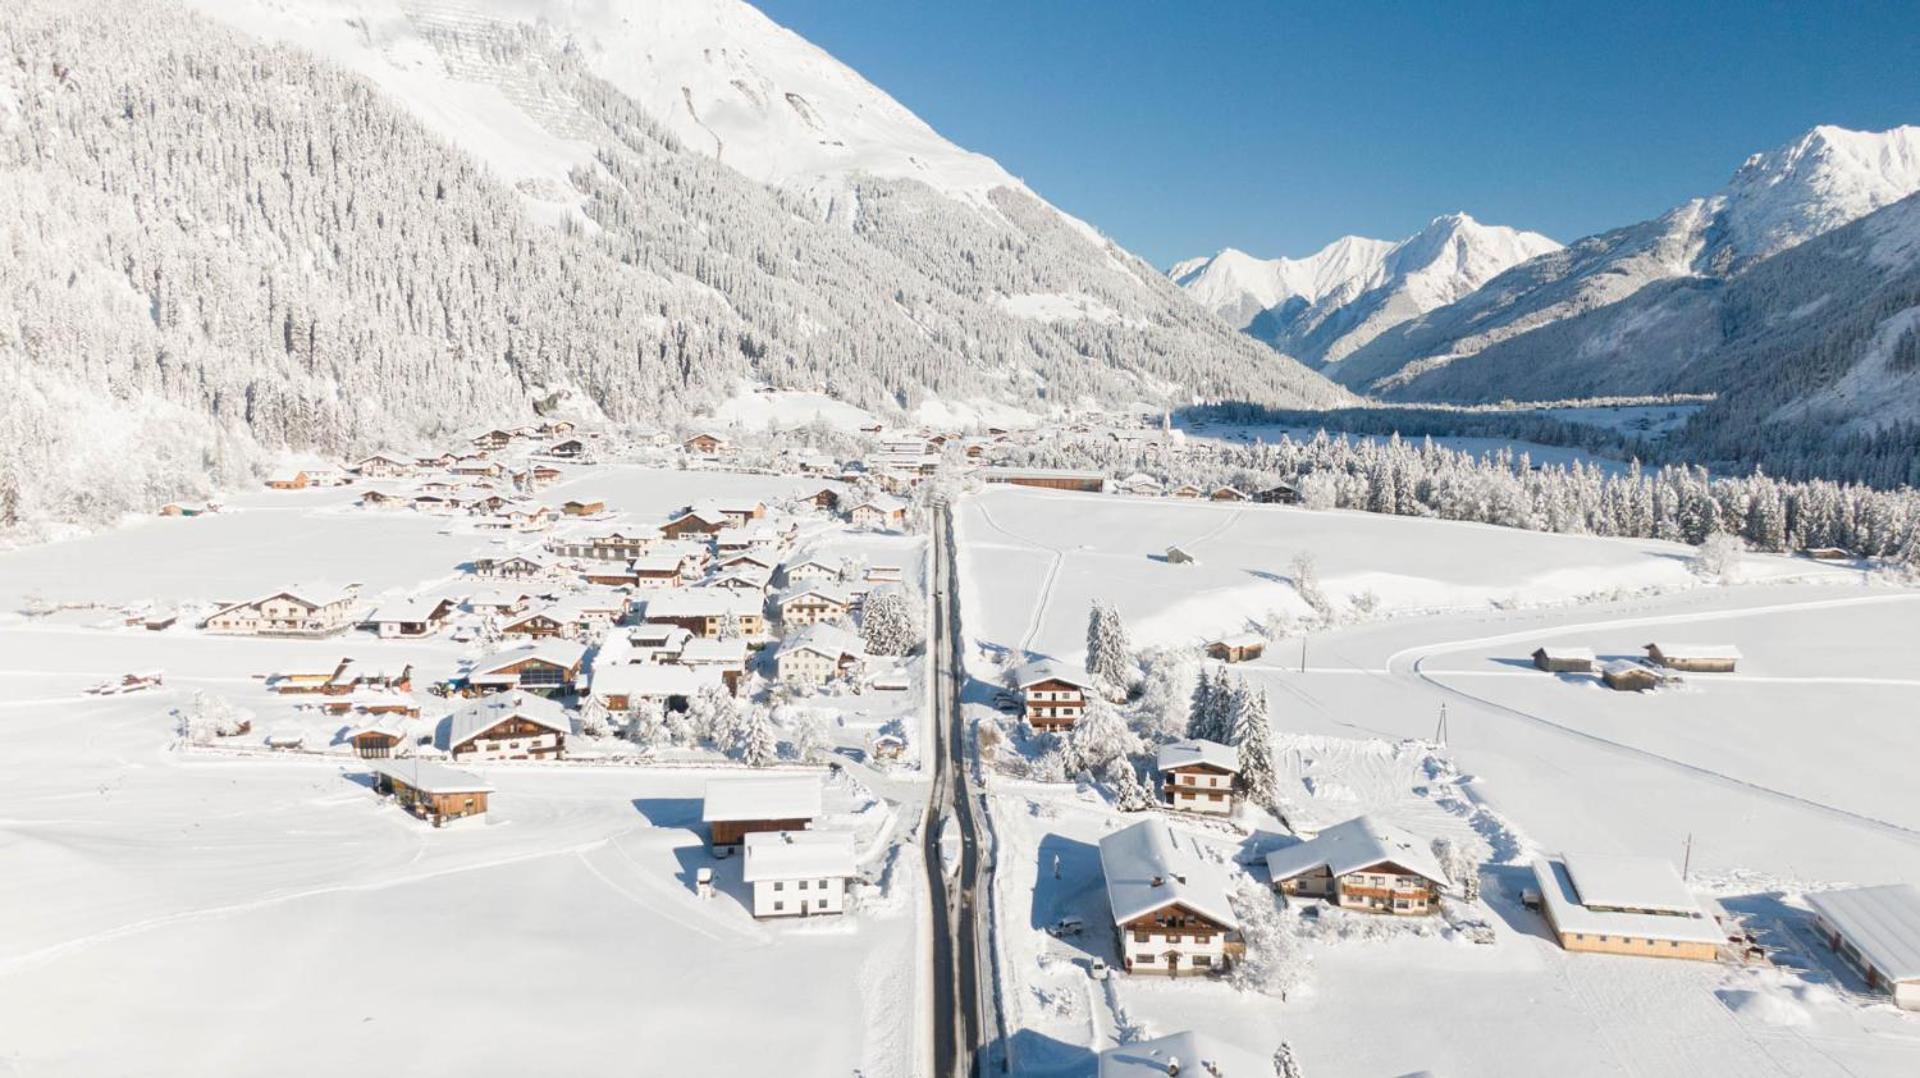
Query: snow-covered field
pixel 1790 775
pixel 234 911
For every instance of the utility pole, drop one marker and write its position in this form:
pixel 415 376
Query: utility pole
pixel 1686 865
pixel 1440 730
pixel 1303 653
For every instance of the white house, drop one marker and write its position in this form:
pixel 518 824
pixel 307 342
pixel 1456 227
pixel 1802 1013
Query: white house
pixel 811 604
pixel 1362 864
pixel 410 618
pixel 798 873
pixel 1877 929
pixel 508 726
pixel 1197 775
pixel 810 570
pixel 1169 901
pixel 306 610
pixel 818 654
pixel 1056 694
pixel 879 511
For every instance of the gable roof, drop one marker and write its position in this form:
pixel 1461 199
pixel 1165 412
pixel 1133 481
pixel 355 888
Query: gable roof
pixel 1882 922
pixel 483 714
pixel 565 654
pixel 825 640
pixel 1356 844
pixel 1570 914
pixel 429 777
pixel 651 679
pixel 1050 670
pixel 1149 868
pixel 1621 882
pixel 1197 752
pixel 792 855
pixel 774 797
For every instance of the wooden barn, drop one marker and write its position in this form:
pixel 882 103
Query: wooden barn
pixel 1239 648
pixel 1626 675
pixel 434 792
pixel 736 808
pixel 1695 658
pixel 1563 660
pixel 1047 478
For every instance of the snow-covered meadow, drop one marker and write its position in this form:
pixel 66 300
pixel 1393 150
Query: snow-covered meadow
pixel 1788 776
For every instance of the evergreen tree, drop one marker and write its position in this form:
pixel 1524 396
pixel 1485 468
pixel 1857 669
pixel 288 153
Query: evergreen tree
pixel 757 745
pixel 886 624
pixel 1099 736
pixel 1252 736
pixel 1109 656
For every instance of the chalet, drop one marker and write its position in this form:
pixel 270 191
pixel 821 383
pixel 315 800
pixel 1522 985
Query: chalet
pixel 509 726
pixel 537 626
pixel 878 512
pixel 307 610
pixel 1877 930
pixel 1047 478
pixel 295 481
pixel 351 675
pixel 380 499
pixel 1362 864
pixel 622 686
pixel 818 654
pixel 1563 660
pixel 512 567
pixel 381 466
pixel 746 581
pixel 695 523
pixel 708 611
pixel 1197 775
pixel 736 808
pixel 1278 494
pixel 410 618
pixel 1198 1055
pixel 478 466
pixel 1625 905
pixel 739 513
pixel 798 873
pixel 583 509
pixel 569 449
pixel 492 439
pixel 758 536
pixel 546 667
pixel 659 571
pixel 1229 494
pixel 825 498
pixel 1238 648
pixel 1827 553
pixel 498 603
pixel 612 576
pixel 811 604
pixel 747 559
pixel 615 546
pixel 1139 483
pixel 378 741
pixel 1626 675
pixel 705 445
pixel 434 792
pixel 1695 658
pixel 651 642
pixel 1186 490
pixel 557 428
pixel 1169 901
pixel 1056 695
pixel 810 570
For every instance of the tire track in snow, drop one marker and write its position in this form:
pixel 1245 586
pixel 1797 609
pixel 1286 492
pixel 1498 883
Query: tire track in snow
pixel 1046 584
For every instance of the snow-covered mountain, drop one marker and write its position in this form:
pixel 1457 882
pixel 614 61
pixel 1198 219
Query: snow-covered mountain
pixel 1776 200
pixel 1322 307
pixel 366 223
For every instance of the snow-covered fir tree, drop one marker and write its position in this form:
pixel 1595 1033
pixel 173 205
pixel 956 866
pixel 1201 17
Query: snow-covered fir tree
pixel 1099 736
pixel 1252 737
pixel 647 724
pixel 886 624
pixel 757 744
pixel 1109 654
pixel 1130 794
pixel 593 717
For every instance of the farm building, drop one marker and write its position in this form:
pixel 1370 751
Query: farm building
pixel 1695 658
pixel 1239 648
pixel 1047 478
pixel 1197 775
pixel 1179 556
pixel 1278 494
pixel 1229 494
pixel 1563 660
pixel 798 873
pixel 1362 864
pixel 434 792
pixel 376 742
pixel 1169 903
pixel 736 808
pixel 1877 930
pixel 1055 694
pixel 583 509
pixel 1196 1054
pixel 1626 675
pixel 547 667
pixel 540 625
pixel 1625 905
pixel 509 726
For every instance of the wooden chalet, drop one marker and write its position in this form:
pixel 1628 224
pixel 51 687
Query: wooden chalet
pixel 736 808
pixel 1229 494
pixel 492 439
pixel 434 792
pixel 545 667
pixel 1278 494
pixel 1362 864
pixel 512 567
pixel 878 512
pixel 1169 902
pixel 1055 695
pixel 306 610
pixel 410 618
pixel 812 604
pixel 583 509
pixel 376 742
pixel 509 726
pixel 695 524
pixel 536 626
pixel 1197 775
pixel 704 444
pixel 1239 648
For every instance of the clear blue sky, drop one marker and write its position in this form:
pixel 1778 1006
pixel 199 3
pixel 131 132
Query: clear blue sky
pixel 1183 126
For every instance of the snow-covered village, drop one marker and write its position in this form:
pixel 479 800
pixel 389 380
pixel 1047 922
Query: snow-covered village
pixel 553 538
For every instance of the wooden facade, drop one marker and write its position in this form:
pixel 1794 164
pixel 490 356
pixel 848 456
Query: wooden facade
pixel 1173 941
pixel 733 832
pixel 1054 705
pixel 512 738
pixel 374 744
pixel 1383 887
pixel 1560 663
pixel 437 806
pixel 1236 651
pixel 1198 788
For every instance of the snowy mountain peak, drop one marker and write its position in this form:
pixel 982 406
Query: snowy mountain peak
pixel 1820 181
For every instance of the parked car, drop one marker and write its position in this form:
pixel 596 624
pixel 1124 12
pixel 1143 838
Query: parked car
pixel 1067 926
pixel 1097 968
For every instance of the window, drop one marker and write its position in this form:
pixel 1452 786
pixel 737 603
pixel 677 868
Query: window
pixel 1145 959
pixel 1173 939
pixel 779 885
pixel 1203 960
pixel 1140 937
pixel 778 906
pixel 820 904
pixel 803 885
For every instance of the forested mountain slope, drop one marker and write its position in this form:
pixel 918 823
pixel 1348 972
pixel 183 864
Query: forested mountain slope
pixel 218 248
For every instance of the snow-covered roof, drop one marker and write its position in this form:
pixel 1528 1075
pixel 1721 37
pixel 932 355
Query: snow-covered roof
pixel 1050 670
pixel 1635 883
pixel 795 855
pixel 1617 667
pixel 773 797
pixel 1196 751
pixel 882 503
pixel 562 653
pixel 408 610
pixel 1248 639
pixel 651 634
pixel 429 777
pixel 1882 922
pixel 1148 868
pixel 1570 915
pixel 713 651
pixel 827 640
pixel 483 714
pixel 1697 651
pixel 652 679
pixel 1559 651
pixel 832 593
pixel 1356 844
pixel 1200 1055
pixel 658 563
pixel 702 603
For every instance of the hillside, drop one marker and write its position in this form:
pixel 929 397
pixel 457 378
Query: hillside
pixel 1776 200
pixel 1320 308
pixel 220 249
